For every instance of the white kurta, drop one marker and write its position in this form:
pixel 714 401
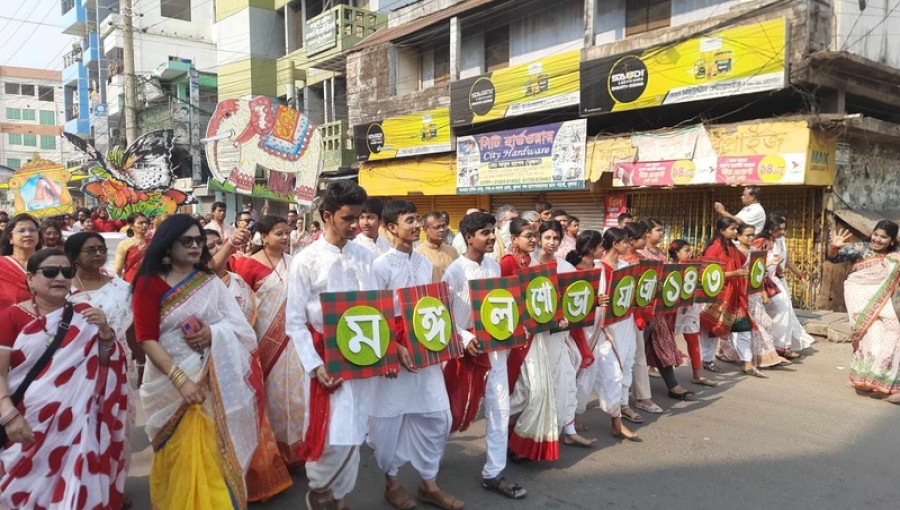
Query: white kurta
pixel 496 395
pixel 411 416
pixel 377 248
pixel 323 267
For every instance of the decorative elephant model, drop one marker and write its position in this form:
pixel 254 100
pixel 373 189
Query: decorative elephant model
pixel 245 133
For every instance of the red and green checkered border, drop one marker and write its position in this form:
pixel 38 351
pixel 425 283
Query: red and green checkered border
pixel 334 304
pixel 526 275
pixel 754 256
pixel 421 355
pixel 478 291
pixel 634 271
pixel 591 276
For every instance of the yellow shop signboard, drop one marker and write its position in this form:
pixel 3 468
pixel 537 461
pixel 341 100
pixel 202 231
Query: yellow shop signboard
pixel 406 135
pixel 544 84
pixel 740 60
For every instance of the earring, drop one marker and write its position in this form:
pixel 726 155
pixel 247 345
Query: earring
pixel 167 261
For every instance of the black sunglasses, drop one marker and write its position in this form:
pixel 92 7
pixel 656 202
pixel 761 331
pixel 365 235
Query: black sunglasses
pixel 51 272
pixel 191 241
pixel 93 250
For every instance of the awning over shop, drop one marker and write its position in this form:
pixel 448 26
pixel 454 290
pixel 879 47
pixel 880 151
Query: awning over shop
pixel 411 176
pixel 777 152
pixel 864 221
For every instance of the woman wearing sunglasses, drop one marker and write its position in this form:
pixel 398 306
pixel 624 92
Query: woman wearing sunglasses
pixel 19 241
pixel 199 345
pixel 72 414
pixel 130 252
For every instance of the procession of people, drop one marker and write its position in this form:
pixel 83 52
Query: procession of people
pixel 220 333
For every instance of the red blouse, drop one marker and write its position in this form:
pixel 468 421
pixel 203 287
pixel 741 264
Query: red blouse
pixel 251 270
pixel 148 294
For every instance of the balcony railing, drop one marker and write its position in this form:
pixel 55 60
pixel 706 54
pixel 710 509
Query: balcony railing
pixel 338 145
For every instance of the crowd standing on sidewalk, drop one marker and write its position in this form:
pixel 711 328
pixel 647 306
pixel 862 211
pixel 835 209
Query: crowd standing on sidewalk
pixel 218 330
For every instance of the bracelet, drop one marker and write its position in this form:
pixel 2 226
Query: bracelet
pixel 140 365
pixel 8 417
pixel 172 370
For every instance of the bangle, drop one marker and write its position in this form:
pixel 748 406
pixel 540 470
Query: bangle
pixel 140 365
pixel 8 417
pixel 172 370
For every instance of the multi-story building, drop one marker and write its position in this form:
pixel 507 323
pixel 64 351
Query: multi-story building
pixel 660 106
pixel 32 111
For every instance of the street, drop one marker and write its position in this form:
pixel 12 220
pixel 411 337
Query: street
pixel 799 439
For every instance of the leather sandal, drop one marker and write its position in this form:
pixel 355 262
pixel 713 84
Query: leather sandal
pixel 320 500
pixel 501 486
pixel 440 499
pixel 399 499
pixel 631 415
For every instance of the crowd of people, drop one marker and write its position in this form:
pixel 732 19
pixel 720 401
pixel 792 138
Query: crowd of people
pixel 236 393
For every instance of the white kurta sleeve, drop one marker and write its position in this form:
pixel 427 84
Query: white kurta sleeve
pixel 299 284
pixel 460 306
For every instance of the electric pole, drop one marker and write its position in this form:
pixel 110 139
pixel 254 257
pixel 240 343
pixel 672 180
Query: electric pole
pixel 131 132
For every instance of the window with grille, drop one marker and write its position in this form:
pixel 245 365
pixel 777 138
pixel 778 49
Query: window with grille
pixel 11 88
pixel 30 140
pixel 13 114
pixel 14 138
pixel 27 114
pixel 496 48
pixel 14 163
pixel 646 15
pixel 176 9
pixel 27 90
pixel 48 143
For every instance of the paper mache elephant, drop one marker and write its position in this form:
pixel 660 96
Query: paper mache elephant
pixel 245 133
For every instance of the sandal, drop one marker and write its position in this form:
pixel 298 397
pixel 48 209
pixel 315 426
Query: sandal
pixel 686 395
pixel 711 366
pixel 399 499
pixel 126 502
pixel 705 382
pixel 501 486
pixel 650 408
pixel 440 499
pixel 320 500
pixel 629 414
pixel 754 372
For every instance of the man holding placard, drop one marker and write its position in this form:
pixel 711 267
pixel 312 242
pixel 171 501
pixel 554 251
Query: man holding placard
pixel 478 231
pixel 337 411
pixel 411 418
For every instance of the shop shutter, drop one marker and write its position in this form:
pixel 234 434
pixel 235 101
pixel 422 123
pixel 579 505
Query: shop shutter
pixel 522 201
pixel 585 205
pixel 456 206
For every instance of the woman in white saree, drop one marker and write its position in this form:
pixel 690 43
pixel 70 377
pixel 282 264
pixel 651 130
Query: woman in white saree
pixel 199 343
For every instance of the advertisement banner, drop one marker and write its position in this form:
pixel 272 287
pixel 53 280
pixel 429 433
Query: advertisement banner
pixel 540 286
pixel 578 298
pixel 756 265
pixel 739 60
pixel 544 84
pixel 425 311
pixel 538 158
pixel 407 135
pixel 498 312
pixel 614 204
pixel 358 335
pixel 670 290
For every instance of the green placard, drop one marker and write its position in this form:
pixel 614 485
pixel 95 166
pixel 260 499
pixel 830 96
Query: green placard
pixel 671 289
pixel 623 296
pixel 690 280
pixel 646 290
pixel 757 273
pixel 541 299
pixel 500 314
pixel 577 301
pixel 363 335
pixel 432 324
pixel 713 280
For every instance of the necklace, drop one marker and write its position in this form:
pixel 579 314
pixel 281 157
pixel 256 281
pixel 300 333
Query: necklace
pixel 272 264
pixel 42 319
pixel 84 288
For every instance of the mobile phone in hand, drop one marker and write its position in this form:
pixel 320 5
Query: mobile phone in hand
pixel 191 326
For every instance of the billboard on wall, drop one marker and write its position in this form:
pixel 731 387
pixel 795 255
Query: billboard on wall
pixel 548 157
pixel 740 60
pixel 406 135
pixel 544 84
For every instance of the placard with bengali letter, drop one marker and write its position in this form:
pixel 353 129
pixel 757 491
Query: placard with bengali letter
pixel 359 333
pixel 649 272
pixel 690 281
pixel 712 281
pixel 578 298
pixel 425 311
pixel 756 266
pixel 670 288
pixel 498 312
pixel 540 291
pixel 623 290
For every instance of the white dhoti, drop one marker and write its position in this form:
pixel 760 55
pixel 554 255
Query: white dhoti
pixel 621 335
pixel 742 344
pixel 708 346
pixel 496 415
pixel 415 438
pixel 603 378
pixel 335 470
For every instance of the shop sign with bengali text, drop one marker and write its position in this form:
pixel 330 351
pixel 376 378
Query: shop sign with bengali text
pixel 320 34
pixel 614 204
pixel 538 158
pixel 407 135
pixel 546 84
pixel 745 59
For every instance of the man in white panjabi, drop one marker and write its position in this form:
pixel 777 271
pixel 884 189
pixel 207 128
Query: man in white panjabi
pixel 753 212
pixel 330 264
pixel 459 242
pixel 478 230
pixel 369 224
pixel 410 419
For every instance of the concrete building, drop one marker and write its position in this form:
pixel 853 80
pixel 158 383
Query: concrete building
pixel 666 106
pixel 32 108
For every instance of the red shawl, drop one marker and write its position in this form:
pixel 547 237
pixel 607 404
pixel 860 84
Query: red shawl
pixel 13 286
pixel 718 317
pixel 509 265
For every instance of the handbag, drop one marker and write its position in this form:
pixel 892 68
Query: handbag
pixel 61 330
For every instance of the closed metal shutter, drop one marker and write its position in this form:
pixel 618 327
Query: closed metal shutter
pixel 522 201
pixel 456 206
pixel 585 205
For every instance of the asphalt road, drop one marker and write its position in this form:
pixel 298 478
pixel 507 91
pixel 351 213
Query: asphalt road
pixel 799 439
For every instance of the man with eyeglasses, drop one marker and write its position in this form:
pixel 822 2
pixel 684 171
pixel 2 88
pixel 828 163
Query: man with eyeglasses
pixel 434 248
